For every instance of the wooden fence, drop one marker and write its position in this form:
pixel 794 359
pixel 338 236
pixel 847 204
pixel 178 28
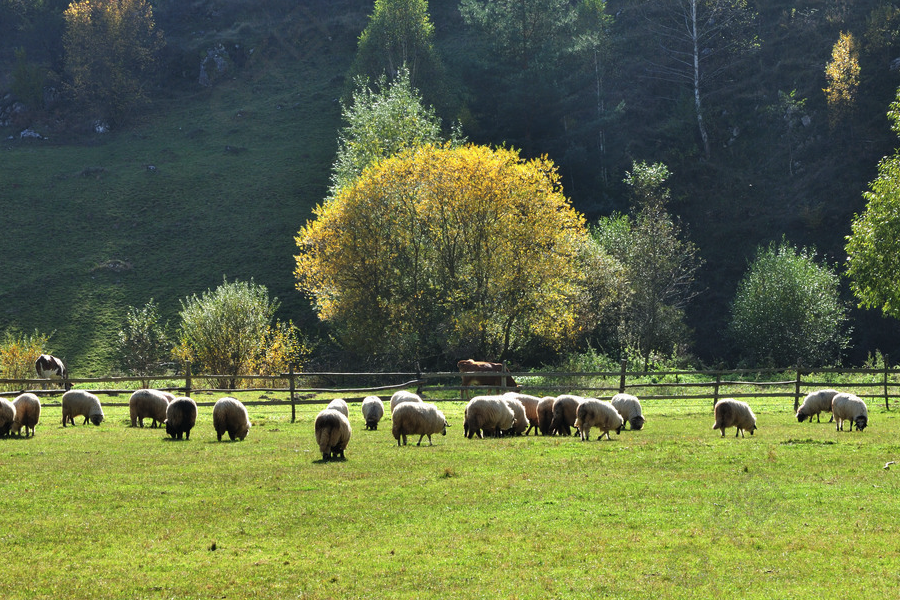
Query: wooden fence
pixel 872 384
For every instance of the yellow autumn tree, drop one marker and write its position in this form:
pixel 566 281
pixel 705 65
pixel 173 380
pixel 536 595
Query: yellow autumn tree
pixel 466 251
pixel 842 74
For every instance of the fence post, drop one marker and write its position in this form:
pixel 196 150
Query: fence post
pixel 624 365
pixel 716 389
pixel 887 404
pixel 503 373
pixel 293 399
pixel 797 389
pixel 187 379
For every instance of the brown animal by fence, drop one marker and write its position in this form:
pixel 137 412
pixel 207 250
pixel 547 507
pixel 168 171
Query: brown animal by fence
pixel 482 378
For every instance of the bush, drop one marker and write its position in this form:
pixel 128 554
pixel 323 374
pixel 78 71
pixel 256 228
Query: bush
pixel 18 352
pixel 143 342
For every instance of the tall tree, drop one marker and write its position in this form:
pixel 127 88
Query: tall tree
pixel 842 74
pixel 111 48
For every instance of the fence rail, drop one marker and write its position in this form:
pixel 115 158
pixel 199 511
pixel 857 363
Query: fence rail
pixel 436 385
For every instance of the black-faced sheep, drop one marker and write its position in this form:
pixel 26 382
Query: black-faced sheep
pixel 81 403
pixel 815 403
pixel 372 411
pixel 488 414
pixel 630 409
pixel 403 396
pixel 28 413
pixel 230 416
pixel 417 418
pixel 734 413
pixel 564 414
pixel 530 404
pixel 148 404
pixel 181 416
pixel 545 415
pixel 332 433
pixel 7 416
pixel 601 414
pixel 340 405
pixel 847 407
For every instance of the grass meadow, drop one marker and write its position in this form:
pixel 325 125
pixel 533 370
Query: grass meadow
pixel 674 511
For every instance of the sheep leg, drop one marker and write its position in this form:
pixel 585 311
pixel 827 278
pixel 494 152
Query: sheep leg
pixel 419 443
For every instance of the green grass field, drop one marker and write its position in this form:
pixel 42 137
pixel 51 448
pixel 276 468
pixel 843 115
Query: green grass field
pixel 673 511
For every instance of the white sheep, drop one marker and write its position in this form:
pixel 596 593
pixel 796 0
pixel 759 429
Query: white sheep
pixel 847 407
pixel 418 418
pixel 340 405
pixel 81 403
pixel 815 403
pixel 601 414
pixel 7 416
pixel 734 413
pixel 488 414
pixel 564 413
pixel 545 415
pixel 28 413
pixel 372 411
pixel 181 416
pixel 530 404
pixel 630 409
pixel 519 413
pixel 332 433
pixel 230 416
pixel 403 396
pixel 149 404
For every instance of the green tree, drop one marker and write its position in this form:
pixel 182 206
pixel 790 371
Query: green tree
pixel 659 265
pixel 27 81
pixel 873 246
pixel 450 252
pixel 143 342
pixel 111 48
pixel 223 329
pixel 842 74
pixel 787 310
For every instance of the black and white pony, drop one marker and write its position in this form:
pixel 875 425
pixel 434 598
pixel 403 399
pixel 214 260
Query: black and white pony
pixel 50 367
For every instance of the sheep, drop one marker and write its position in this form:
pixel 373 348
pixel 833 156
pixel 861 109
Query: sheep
pixel 592 412
pixel 7 416
pixel 418 418
pixel 847 407
pixel 530 404
pixel 403 396
pixel 815 403
pixel 230 415
pixel 372 411
pixel 630 409
pixel 490 414
pixel 519 412
pixel 150 404
pixel 81 403
pixel 181 416
pixel 332 433
pixel 339 405
pixel 734 413
pixel 564 413
pixel 545 415
pixel 28 413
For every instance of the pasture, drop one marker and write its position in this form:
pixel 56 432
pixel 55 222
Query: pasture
pixel 674 511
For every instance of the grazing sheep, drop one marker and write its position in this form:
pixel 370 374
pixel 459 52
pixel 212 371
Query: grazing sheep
pixel 230 415
pixel 332 433
pixel 847 407
pixel 403 396
pixel 7 416
pixel 372 411
pixel 530 404
pixel 630 409
pixel 418 418
pixel 815 403
pixel 564 413
pixel 81 403
pixel 545 415
pixel 601 414
pixel 519 412
pixel 488 414
pixel 734 413
pixel 150 404
pixel 339 405
pixel 181 416
pixel 28 413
